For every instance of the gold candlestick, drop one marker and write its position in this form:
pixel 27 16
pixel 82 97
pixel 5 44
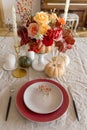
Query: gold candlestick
pixel 18 72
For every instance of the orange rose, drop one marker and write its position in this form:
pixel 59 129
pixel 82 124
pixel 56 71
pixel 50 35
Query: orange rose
pixel 33 29
pixel 62 21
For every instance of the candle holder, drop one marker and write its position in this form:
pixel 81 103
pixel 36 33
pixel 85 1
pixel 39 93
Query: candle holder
pixel 18 72
pixel 40 63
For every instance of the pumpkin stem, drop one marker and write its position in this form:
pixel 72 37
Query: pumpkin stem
pixel 54 65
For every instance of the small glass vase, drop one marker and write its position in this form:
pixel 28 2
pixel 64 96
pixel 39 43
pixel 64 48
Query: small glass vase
pixel 39 64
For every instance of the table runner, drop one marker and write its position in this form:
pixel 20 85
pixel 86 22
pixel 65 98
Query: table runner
pixel 75 77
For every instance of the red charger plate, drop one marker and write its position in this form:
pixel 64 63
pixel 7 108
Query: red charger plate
pixel 30 115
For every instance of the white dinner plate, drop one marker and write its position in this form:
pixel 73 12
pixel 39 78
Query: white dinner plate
pixel 42 102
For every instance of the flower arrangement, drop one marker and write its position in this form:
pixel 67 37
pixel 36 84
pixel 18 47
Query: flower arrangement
pixel 46 29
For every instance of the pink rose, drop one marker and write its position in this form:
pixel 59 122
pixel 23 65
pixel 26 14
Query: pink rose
pixel 33 29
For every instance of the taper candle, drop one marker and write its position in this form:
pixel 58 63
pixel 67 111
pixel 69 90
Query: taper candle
pixel 66 9
pixel 14 24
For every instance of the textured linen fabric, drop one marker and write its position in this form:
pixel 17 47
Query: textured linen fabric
pixel 75 77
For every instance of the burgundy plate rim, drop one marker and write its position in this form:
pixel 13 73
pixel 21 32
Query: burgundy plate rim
pixel 30 115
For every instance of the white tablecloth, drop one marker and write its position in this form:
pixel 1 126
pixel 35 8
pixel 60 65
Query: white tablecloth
pixel 75 77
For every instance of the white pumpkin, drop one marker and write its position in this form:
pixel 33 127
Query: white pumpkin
pixel 66 59
pixel 62 58
pixel 55 69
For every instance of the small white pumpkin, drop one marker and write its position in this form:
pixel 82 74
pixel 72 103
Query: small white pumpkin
pixel 55 69
pixel 66 58
pixel 62 58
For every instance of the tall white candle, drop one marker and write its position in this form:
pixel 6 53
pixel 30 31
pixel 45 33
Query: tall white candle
pixel 66 9
pixel 14 24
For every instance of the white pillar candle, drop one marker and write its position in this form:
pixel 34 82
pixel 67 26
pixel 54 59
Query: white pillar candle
pixel 66 9
pixel 14 24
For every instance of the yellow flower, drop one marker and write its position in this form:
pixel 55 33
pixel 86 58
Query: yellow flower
pixel 41 17
pixel 43 28
pixel 53 17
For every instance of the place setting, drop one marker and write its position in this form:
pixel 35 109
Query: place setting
pixel 42 100
pixel 43 65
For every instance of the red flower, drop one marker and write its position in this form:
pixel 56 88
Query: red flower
pixel 66 32
pixel 48 38
pixel 69 40
pixel 22 32
pixel 35 47
pixel 62 46
pixel 47 41
pixel 57 32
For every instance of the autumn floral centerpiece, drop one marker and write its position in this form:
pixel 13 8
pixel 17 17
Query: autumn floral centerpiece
pixel 44 31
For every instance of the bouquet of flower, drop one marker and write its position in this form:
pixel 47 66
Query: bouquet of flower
pixel 45 30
